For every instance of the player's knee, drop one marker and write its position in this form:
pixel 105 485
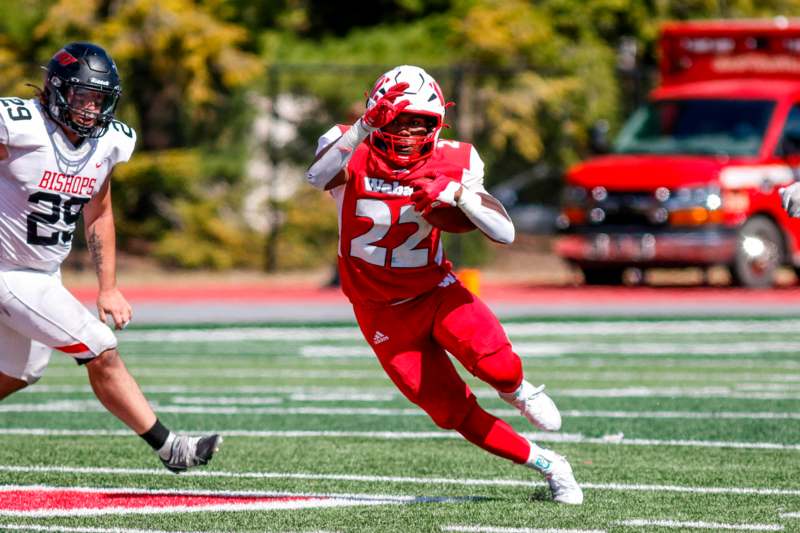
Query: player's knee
pixel 104 363
pixel 501 369
pixel 9 385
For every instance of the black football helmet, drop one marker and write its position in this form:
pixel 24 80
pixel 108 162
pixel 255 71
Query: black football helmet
pixel 82 88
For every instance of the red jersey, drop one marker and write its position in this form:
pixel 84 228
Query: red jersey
pixel 387 251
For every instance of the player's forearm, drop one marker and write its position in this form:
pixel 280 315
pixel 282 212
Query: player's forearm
pixel 101 241
pixel 487 214
pixel 333 158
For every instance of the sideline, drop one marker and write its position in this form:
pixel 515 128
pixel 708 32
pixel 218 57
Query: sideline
pixel 251 302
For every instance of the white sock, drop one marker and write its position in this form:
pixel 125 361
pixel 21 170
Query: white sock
pixel 540 459
pixel 524 390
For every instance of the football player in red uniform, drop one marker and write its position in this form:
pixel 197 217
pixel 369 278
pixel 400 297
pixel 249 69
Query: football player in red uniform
pixel 387 173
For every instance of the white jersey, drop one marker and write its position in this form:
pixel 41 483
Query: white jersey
pixel 46 181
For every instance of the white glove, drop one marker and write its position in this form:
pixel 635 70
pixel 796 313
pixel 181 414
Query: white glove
pixel 790 199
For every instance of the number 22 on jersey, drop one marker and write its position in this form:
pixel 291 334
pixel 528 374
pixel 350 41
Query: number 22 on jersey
pixel 404 255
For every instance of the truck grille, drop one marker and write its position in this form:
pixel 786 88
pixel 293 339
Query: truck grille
pixel 629 208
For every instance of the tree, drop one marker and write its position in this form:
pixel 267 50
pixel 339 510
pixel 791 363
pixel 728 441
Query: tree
pixel 180 64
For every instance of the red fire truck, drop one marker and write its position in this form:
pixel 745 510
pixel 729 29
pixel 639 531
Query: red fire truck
pixel 693 177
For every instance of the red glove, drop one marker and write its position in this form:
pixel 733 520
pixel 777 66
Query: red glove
pixel 432 189
pixel 384 110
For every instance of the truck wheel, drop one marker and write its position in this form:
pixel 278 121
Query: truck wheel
pixel 759 253
pixel 602 275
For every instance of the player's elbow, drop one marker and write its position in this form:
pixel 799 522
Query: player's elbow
pixel 316 179
pixel 506 234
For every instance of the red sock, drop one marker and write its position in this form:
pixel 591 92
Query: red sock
pixel 494 435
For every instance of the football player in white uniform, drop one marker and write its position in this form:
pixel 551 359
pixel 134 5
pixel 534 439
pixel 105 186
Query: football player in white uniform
pixel 57 152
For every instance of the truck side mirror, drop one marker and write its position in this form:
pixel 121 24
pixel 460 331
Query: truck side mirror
pixel 598 137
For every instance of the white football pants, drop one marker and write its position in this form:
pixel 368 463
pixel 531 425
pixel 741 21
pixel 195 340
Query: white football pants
pixel 38 314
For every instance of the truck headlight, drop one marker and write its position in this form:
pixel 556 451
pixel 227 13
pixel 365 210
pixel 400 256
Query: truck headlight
pixel 692 206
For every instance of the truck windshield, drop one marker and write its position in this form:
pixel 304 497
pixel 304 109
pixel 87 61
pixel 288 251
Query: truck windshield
pixel 723 127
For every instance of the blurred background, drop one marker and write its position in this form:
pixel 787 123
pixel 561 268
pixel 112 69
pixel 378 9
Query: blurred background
pixel 229 98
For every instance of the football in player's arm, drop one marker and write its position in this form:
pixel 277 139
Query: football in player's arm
pixel 57 152
pixel 397 186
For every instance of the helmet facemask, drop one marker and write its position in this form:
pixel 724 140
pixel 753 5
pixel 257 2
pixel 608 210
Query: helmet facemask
pixel 87 111
pixel 404 144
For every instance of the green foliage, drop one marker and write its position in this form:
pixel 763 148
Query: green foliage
pixel 529 79
pixel 17 23
pixel 207 238
pixel 338 71
pixel 178 62
pixel 145 189
pixel 309 231
pixel 466 250
pixel 176 205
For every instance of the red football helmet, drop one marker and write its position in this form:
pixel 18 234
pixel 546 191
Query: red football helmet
pixel 426 99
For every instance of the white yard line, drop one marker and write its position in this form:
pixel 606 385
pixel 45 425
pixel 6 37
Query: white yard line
pixel 495 529
pixel 337 393
pixel 569 376
pixel 574 438
pixel 567 329
pixel 671 347
pixel 687 415
pixel 559 349
pixel 675 392
pixel 65 529
pixel 667 363
pixel 660 327
pixel 230 400
pixel 228 406
pixel 396 479
pixel 713 363
pixel 723 377
pixel 241 334
pixel 240 373
pixel 699 525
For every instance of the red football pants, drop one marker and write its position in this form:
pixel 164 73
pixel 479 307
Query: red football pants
pixel 410 340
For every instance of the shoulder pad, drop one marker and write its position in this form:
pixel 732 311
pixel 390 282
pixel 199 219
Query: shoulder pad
pixel 331 135
pixel 21 122
pixel 121 140
pixel 456 152
pixel 463 156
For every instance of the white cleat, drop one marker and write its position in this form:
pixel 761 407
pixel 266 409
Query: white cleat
pixel 558 473
pixel 535 405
